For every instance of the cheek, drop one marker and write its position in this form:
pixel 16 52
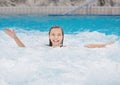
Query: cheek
pixel 61 38
pixel 50 37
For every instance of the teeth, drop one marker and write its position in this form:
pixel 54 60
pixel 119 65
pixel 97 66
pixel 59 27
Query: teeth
pixel 56 40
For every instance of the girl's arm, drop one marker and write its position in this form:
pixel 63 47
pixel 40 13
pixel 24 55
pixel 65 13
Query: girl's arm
pixel 98 45
pixel 13 35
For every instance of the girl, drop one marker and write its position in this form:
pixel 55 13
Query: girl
pixel 56 37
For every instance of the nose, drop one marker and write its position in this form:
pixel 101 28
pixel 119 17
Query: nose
pixel 56 37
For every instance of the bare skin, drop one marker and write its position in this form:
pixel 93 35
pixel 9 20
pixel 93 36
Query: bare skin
pixel 98 45
pixel 55 36
pixel 13 35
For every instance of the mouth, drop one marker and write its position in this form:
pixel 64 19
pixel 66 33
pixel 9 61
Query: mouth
pixel 56 41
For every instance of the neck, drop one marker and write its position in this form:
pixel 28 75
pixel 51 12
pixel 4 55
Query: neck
pixel 59 45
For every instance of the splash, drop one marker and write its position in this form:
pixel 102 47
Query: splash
pixel 38 64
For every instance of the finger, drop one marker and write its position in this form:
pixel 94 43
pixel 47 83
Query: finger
pixel 12 30
pixel 7 30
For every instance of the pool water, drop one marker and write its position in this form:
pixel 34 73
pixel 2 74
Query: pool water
pixel 70 24
pixel 38 64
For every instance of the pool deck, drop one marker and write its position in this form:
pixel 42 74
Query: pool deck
pixel 60 10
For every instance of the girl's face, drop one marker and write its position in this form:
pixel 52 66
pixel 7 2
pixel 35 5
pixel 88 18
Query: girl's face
pixel 56 36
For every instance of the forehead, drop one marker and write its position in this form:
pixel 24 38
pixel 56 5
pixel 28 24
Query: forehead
pixel 56 30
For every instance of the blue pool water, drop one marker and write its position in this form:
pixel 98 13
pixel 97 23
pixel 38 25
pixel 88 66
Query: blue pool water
pixel 38 64
pixel 70 24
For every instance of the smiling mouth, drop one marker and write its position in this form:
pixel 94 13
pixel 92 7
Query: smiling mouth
pixel 56 41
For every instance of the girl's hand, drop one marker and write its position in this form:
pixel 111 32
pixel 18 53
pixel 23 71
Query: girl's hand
pixel 11 33
pixel 109 43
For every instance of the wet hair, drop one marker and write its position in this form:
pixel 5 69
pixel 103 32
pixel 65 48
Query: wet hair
pixel 50 43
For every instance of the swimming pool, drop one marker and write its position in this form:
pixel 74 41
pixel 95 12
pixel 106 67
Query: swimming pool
pixel 70 24
pixel 38 64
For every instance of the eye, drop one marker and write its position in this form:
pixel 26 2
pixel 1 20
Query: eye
pixel 53 34
pixel 59 34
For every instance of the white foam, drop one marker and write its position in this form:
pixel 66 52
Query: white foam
pixel 38 64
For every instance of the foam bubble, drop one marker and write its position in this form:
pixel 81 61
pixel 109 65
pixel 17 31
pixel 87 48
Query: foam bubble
pixel 39 64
